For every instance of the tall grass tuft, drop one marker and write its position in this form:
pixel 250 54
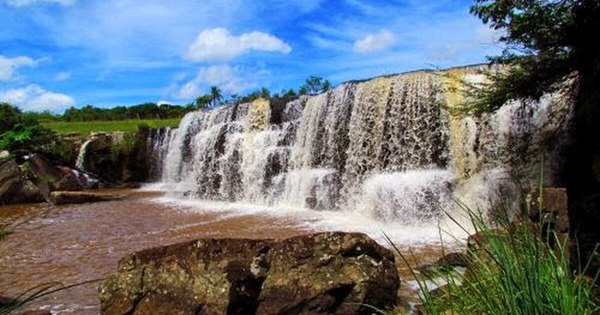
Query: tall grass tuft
pixel 5 231
pixel 512 271
pixel 30 295
pixel 37 292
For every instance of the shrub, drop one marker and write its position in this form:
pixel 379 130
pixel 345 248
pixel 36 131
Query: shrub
pixel 512 271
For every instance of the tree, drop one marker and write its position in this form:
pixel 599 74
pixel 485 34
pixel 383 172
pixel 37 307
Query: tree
pixel 265 93
pixel 22 135
pixel 203 101
pixel 215 95
pixel 314 85
pixel 289 94
pixel 546 42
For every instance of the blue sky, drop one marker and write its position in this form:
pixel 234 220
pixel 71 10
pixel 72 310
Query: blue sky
pixel 60 53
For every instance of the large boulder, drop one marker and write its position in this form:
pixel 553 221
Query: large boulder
pixel 15 187
pixel 325 273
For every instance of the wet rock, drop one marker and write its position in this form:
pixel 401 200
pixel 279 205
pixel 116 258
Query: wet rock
pixel 49 177
pixel 453 260
pixel 117 158
pixel 444 264
pixel 554 203
pixel 15 187
pixel 70 197
pixel 325 273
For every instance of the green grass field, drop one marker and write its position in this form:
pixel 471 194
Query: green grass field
pixel 85 127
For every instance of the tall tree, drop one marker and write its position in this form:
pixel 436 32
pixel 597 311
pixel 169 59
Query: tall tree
pixel 215 95
pixel 547 41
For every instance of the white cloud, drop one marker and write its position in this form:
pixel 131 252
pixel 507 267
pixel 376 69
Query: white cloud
pixel 227 78
pixel 219 44
pixel 20 3
pixel 62 76
pixel 9 66
pixel 375 42
pixel 35 98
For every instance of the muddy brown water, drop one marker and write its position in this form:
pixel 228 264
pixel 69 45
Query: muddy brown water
pixel 76 243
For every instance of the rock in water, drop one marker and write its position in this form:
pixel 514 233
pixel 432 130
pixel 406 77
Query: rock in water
pixel 324 273
pixel 69 197
pixel 15 187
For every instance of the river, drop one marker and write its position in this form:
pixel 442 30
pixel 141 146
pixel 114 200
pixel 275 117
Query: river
pixel 76 243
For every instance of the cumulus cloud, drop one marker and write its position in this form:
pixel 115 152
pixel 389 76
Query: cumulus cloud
pixel 375 42
pixel 35 98
pixel 9 66
pixel 219 44
pixel 20 3
pixel 227 78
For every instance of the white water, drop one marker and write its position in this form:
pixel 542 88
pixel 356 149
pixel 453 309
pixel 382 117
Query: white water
pixel 379 155
pixel 80 163
pixel 158 144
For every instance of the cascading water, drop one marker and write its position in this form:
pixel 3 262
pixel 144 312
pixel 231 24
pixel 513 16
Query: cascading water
pixel 386 148
pixel 80 162
pixel 158 143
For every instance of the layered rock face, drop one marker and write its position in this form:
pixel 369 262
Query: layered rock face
pixel 116 157
pixel 326 273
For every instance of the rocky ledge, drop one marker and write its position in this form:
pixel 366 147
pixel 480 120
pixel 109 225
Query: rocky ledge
pixel 325 273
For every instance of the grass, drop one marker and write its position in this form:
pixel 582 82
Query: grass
pixel 5 231
pixel 85 127
pixel 14 305
pixel 512 271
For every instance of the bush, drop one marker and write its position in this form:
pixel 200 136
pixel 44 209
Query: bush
pixel 512 271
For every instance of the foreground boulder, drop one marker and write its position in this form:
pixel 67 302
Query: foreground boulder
pixel 68 197
pixel 325 273
pixel 15 187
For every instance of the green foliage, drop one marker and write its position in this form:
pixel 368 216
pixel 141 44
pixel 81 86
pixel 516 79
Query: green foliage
pixel 203 101
pixel 23 135
pixel 265 93
pixel 143 126
pixel 125 146
pixel 512 271
pixel 5 231
pixel 85 128
pixel 215 96
pixel 9 117
pixel 546 41
pixel 36 293
pixel 314 85
pixel 91 113
pixel 549 42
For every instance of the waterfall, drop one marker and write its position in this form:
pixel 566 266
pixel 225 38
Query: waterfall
pixel 157 145
pixel 80 163
pixel 386 147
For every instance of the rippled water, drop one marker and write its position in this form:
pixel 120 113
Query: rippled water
pixel 76 243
